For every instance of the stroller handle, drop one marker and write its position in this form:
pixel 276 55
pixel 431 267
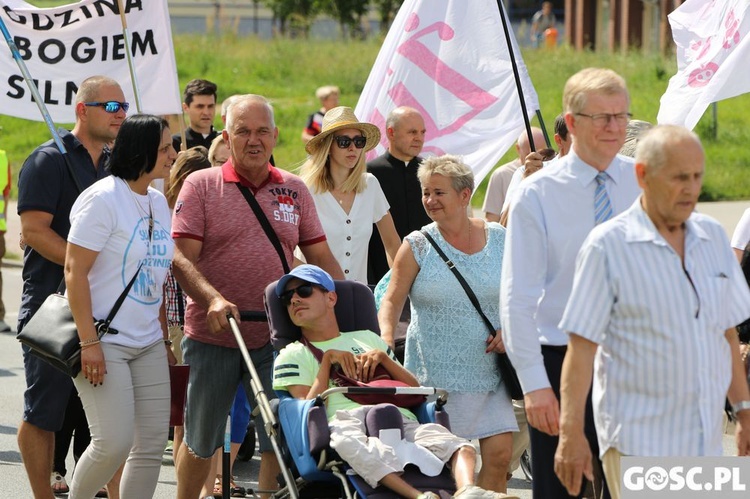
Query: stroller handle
pixel 400 390
pixel 253 316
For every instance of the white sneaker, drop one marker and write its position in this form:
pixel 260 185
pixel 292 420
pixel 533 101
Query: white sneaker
pixel 474 492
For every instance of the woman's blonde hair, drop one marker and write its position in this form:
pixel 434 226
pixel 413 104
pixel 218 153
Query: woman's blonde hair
pixel 215 144
pixel 194 159
pixel 449 166
pixel 316 171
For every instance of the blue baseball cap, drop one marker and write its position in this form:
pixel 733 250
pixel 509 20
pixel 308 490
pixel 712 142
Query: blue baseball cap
pixel 308 273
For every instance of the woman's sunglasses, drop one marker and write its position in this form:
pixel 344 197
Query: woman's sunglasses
pixel 110 106
pixel 303 291
pixel 344 142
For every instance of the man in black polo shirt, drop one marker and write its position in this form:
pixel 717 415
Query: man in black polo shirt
pixel 199 103
pixel 396 170
pixel 46 192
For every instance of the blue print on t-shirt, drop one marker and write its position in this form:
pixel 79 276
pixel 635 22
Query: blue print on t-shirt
pixel 145 289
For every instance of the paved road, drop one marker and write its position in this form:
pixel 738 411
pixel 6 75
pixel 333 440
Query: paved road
pixel 12 476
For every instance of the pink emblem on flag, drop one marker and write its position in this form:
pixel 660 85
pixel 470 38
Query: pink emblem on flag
pixel 701 76
pixel 449 60
pixel 713 54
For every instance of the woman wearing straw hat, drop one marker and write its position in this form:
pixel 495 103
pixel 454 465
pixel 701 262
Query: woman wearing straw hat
pixel 348 199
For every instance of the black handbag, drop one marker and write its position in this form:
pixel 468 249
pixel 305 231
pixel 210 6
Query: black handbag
pixel 51 333
pixel 504 366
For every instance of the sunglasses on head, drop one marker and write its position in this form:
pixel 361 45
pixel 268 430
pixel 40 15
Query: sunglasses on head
pixel 111 106
pixel 303 291
pixel 344 142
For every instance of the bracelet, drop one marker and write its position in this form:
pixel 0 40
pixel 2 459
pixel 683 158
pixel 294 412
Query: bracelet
pixel 741 406
pixel 87 343
pixel 168 343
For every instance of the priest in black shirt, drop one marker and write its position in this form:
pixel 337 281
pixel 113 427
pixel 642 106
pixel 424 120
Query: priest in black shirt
pixel 396 170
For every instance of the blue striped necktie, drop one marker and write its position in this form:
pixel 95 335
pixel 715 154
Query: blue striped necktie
pixel 602 205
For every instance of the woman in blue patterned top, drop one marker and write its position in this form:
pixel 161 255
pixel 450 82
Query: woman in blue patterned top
pixel 447 343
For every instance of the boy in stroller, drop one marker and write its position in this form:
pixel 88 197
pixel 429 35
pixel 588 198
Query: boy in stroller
pixel 309 295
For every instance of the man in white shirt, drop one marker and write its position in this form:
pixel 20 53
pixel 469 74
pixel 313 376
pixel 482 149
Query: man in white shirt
pixel 494 199
pixel 656 296
pixel 553 212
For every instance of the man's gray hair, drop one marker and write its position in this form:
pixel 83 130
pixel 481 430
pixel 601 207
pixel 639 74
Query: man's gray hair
pixel 653 146
pixel 227 102
pixel 241 101
pixel 633 132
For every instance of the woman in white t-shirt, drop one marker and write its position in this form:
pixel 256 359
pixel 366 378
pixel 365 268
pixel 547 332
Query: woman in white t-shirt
pixel 120 227
pixel 347 198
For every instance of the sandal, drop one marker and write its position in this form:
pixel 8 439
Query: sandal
pixel 102 492
pixel 58 484
pixel 234 489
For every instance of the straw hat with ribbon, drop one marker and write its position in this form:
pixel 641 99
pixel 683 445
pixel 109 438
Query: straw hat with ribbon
pixel 341 118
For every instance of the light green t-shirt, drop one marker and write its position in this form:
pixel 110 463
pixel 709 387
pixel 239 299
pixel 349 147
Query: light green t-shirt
pixel 296 365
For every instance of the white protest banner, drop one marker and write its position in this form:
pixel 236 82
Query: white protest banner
pixel 449 59
pixel 713 57
pixel 62 46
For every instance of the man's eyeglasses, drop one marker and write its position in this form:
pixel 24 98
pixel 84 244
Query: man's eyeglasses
pixel 344 142
pixel 303 291
pixel 111 106
pixel 601 120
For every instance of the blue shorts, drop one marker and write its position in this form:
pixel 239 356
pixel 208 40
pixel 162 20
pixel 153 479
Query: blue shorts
pixel 215 372
pixel 47 393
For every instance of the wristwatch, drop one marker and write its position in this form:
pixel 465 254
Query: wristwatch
pixel 742 405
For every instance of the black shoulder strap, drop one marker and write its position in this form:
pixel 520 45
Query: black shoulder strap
pixel 472 297
pixel 270 233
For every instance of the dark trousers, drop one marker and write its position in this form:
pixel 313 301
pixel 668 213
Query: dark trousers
pixel 543 447
pixel 75 423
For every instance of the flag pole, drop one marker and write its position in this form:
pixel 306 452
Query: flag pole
pixel 131 66
pixel 517 77
pixel 39 101
pixel 544 128
pixel 32 87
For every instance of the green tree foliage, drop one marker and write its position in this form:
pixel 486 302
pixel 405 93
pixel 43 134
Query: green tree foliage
pixel 294 17
pixel 348 13
pixel 387 10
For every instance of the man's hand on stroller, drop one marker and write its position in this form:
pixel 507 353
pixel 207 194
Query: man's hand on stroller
pixel 218 310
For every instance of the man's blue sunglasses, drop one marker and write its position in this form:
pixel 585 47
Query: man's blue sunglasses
pixel 111 106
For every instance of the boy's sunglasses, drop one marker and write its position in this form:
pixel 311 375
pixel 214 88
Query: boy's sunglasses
pixel 344 142
pixel 303 291
pixel 110 106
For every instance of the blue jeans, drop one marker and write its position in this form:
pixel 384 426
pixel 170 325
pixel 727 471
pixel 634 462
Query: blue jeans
pixel 215 372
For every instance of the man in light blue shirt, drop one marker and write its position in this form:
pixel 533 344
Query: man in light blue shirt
pixel 553 212
pixel 656 296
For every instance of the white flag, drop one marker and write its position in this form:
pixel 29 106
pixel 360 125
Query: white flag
pixel 63 46
pixel 713 57
pixel 449 59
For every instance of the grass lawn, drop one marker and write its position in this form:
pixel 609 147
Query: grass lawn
pixel 289 71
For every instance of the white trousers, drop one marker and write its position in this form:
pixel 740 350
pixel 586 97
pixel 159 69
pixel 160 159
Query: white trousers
pixel 129 419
